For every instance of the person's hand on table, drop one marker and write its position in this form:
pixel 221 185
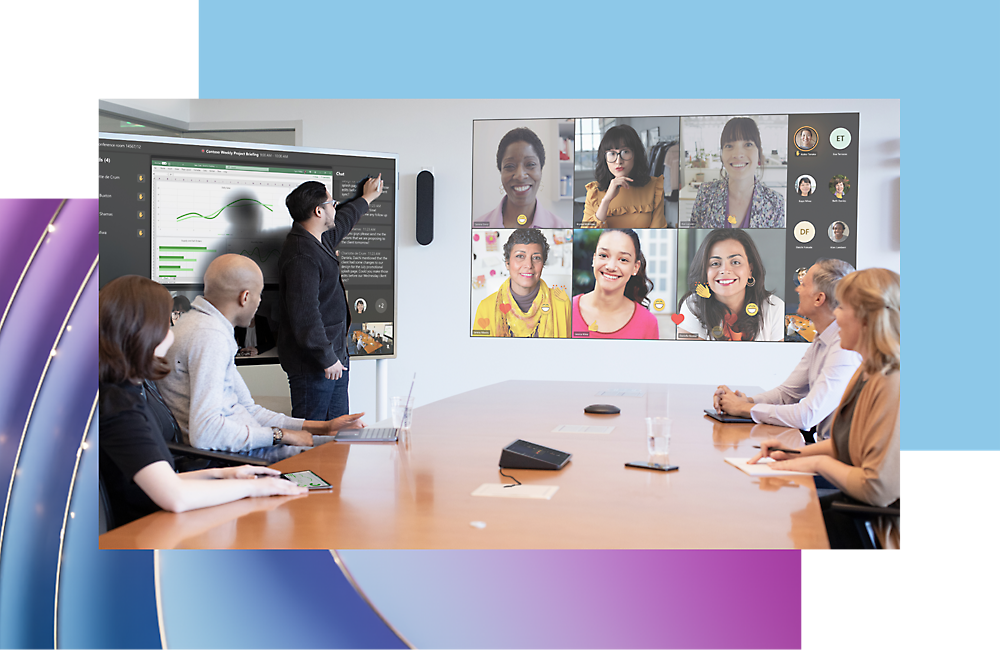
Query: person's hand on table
pixel 767 450
pixel 335 371
pixel 269 487
pixel 800 464
pixel 352 421
pixel 249 471
pixel 297 438
pixel 732 402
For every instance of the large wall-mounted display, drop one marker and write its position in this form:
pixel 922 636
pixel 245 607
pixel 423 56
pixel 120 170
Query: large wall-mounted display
pixel 169 206
pixel 688 228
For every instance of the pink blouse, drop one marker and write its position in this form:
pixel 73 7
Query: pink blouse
pixel 642 325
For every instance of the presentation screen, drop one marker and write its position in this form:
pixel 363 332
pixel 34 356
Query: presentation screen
pixel 169 206
pixel 687 228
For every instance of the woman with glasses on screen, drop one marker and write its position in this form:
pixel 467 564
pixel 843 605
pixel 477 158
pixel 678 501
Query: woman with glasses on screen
pixel 861 456
pixel 136 467
pixel 726 300
pixel 739 199
pixel 624 195
pixel 520 159
pixel 616 308
pixel 524 306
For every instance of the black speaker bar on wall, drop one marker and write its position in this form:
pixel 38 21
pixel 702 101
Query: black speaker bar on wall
pixel 425 207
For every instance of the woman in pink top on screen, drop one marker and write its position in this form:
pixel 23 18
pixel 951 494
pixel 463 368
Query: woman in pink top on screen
pixel 615 309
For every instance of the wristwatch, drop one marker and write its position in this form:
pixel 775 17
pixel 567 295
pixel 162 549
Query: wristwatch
pixel 278 435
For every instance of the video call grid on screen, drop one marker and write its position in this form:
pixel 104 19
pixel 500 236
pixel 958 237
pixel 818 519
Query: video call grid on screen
pixel 168 206
pixel 801 208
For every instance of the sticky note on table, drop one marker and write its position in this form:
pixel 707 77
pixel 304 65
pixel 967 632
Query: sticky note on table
pixel 516 492
pixel 581 428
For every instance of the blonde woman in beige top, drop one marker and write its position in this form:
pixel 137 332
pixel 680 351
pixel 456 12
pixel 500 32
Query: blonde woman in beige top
pixel 861 457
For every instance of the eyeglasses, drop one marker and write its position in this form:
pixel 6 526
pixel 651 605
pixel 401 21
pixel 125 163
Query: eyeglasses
pixel 333 203
pixel 611 156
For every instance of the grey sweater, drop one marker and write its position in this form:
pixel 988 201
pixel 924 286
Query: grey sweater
pixel 206 393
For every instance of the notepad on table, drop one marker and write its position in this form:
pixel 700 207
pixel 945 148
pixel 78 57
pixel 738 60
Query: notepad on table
pixel 761 468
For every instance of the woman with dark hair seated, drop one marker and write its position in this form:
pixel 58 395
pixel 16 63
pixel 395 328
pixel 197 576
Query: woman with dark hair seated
pixel 524 306
pixel 520 159
pixel 136 467
pixel 861 456
pixel 616 308
pixel 739 199
pixel 726 299
pixel 624 195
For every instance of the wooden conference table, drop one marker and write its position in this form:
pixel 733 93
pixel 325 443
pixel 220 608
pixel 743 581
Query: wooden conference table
pixel 417 493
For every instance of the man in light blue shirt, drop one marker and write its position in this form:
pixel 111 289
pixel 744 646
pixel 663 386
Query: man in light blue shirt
pixel 812 392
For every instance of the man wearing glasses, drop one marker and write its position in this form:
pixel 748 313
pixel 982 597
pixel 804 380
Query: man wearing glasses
pixel 314 316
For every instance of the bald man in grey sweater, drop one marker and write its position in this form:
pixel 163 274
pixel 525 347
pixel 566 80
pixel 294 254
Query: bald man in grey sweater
pixel 205 391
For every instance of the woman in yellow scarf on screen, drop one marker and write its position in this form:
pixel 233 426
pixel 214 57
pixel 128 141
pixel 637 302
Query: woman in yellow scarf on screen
pixel 524 306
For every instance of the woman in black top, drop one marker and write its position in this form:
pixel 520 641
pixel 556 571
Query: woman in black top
pixel 136 467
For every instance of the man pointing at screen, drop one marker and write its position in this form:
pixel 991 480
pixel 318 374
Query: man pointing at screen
pixel 312 338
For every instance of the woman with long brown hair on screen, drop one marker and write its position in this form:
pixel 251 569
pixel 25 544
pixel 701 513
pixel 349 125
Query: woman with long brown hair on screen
pixel 727 299
pixel 136 467
pixel 861 457
pixel 616 307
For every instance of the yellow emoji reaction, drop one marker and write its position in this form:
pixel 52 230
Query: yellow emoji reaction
pixel 732 220
pixel 702 290
pixel 752 309
pixel 658 304
pixel 521 219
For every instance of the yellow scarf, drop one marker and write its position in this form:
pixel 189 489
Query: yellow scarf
pixel 511 321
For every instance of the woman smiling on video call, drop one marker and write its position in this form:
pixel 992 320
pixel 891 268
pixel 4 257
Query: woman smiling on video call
pixel 520 160
pixel 615 308
pixel 726 298
pixel 524 306
pixel 739 199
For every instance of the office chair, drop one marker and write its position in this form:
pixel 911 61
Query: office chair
pixel 862 513
pixel 186 457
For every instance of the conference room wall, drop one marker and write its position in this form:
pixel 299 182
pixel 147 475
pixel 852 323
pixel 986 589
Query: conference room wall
pixel 433 292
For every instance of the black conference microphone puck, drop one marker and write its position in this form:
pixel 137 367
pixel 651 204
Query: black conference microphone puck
pixel 602 409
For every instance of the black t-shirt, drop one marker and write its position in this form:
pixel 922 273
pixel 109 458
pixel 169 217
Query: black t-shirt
pixel 131 437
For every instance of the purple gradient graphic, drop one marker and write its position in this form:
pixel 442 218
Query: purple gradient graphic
pixel 584 599
pixel 264 599
pixel 38 487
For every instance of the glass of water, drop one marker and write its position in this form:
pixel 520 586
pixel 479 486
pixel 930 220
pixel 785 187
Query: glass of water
pixel 658 438
pixel 402 412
